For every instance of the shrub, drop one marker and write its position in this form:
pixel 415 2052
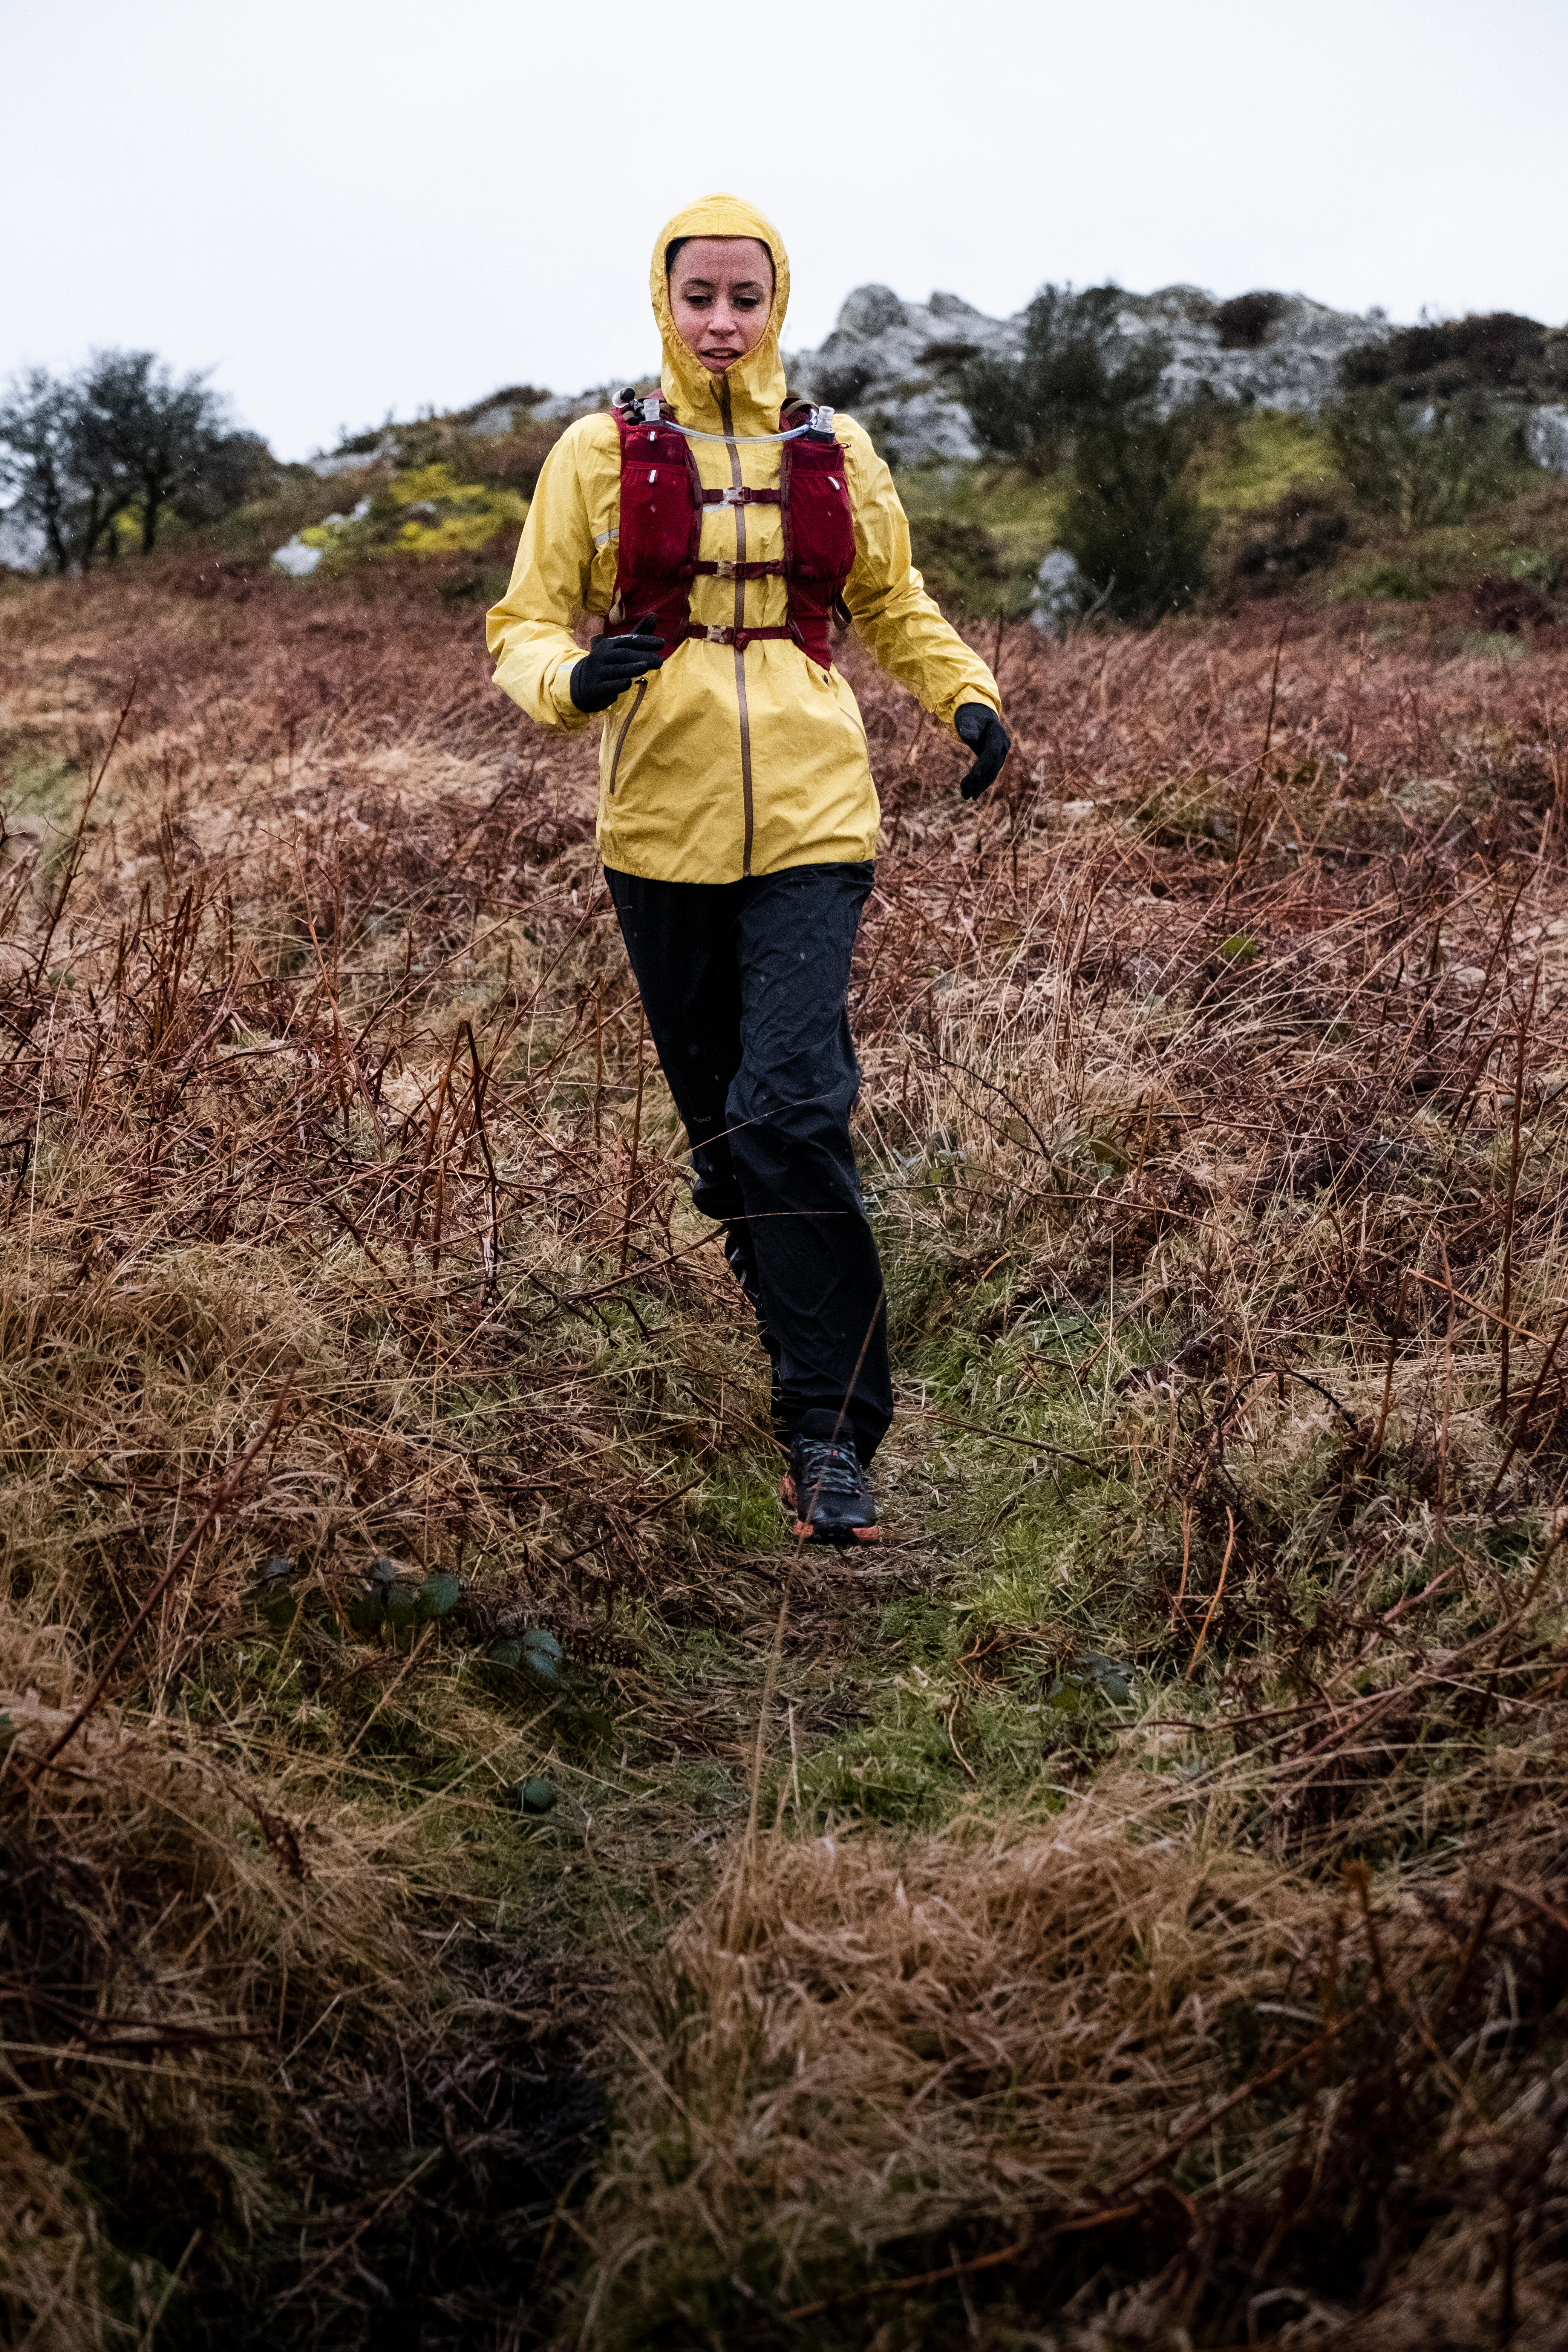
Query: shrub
pixel 1511 607
pixel 1138 533
pixel 1495 353
pixel 1423 473
pixel 1243 321
pixel 964 565
pixel 1077 372
pixel 1299 535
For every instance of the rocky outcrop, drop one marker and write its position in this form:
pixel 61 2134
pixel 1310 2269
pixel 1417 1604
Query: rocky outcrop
pixel 895 365
pixel 495 419
pixel 898 365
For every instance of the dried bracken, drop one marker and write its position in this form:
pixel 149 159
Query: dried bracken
pixel 1163 1930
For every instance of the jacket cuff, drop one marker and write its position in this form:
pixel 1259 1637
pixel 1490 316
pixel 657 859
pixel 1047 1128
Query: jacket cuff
pixel 949 712
pixel 558 689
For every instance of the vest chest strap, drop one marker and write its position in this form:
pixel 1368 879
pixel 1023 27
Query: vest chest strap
pixel 710 633
pixel 726 570
pixel 739 498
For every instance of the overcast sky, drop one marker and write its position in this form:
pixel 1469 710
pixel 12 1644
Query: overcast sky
pixel 344 209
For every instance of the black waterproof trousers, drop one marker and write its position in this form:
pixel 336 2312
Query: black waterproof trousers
pixel 745 984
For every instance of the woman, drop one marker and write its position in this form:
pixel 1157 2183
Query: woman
pixel 737 815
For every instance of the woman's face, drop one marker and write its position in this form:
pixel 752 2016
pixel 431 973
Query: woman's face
pixel 721 295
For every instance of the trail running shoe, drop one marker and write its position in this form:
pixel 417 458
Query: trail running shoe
pixel 825 1489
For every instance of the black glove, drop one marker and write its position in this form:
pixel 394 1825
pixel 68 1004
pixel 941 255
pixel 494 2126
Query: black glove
pixel 986 737
pixel 614 663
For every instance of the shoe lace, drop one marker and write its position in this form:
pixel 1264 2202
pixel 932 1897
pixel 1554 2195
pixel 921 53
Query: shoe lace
pixel 828 1468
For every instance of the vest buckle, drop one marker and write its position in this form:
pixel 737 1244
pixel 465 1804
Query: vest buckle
pixel 724 568
pixel 716 633
pixel 731 496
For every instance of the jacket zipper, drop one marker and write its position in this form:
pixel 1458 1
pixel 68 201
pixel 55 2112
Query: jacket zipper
pixel 740 625
pixel 621 737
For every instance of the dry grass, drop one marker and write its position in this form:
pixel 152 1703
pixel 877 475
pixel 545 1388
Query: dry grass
pixel 1169 2084
pixel 1211 1115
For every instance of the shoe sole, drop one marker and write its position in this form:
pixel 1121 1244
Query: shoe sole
pixel 841 1537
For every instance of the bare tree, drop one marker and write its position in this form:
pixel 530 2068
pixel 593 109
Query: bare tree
pixel 78 452
pixel 69 489
pixel 170 438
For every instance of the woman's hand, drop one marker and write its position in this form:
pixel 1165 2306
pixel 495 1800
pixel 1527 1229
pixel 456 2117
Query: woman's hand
pixel 986 737
pixel 614 663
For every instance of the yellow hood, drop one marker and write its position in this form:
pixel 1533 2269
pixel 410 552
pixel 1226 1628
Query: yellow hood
pixel 755 383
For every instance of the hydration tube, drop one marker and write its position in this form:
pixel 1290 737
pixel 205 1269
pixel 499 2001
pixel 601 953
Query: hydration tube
pixel 819 423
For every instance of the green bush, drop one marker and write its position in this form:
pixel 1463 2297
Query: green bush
pixel 1076 373
pixel 1499 352
pixel 1424 474
pixel 1138 533
pixel 964 565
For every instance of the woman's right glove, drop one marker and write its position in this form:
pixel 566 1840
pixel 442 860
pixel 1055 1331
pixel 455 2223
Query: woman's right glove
pixel 985 736
pixel 615 663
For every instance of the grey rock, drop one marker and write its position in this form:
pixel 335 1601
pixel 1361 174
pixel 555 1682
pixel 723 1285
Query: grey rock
pixel 872 310
pixel 494 423
pixel 353 461
pixel 953 305
pixel 1058 593
pixel 296 559
pixel 1546 437
pixel 564 406
pixel 299 560
pixel 893 364
pixel 896 365
pixel 22 544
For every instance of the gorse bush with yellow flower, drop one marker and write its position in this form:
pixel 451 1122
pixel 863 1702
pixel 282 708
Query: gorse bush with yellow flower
pixel 425 512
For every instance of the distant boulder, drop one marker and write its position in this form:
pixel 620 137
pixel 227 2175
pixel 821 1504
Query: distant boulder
pixel 1546 437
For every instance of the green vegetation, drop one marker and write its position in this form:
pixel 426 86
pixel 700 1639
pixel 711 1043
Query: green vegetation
pixel 423 512
pixel 1426 471
pixel 1076 372
pixel 1079 398
pixel 1134 528
pixel 1261 497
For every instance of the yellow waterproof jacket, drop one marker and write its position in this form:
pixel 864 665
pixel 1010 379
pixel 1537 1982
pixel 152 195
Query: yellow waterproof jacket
pixel 728 760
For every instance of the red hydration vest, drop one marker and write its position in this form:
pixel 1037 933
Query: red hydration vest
pixel 662 505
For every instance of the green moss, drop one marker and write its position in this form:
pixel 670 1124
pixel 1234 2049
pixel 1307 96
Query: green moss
pixel 1494 643
pixel 1419 565
pixel 740 1508
pixel 1259 457
pixel 1019 513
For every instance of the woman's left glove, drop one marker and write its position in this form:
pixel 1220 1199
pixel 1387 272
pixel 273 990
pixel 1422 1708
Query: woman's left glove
pixel 979 727
pixel 612 664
